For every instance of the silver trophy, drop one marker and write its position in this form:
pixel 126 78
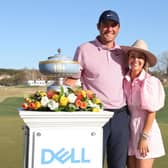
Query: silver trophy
pixel 59 67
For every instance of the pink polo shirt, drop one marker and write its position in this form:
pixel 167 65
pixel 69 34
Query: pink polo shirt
pixel 102 71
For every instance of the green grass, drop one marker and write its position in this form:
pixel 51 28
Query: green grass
pixel 163 161
pixel 11 134
pixel 9 106
pixel 11 142
pixel 162 115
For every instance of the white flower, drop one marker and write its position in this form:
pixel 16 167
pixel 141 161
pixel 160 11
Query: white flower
pixel 44 101
pixel 52 105
pixel 91 104
pixel 71 97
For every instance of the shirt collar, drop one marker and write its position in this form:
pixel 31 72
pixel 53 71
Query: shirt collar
pixel 140 77
pixel 101 46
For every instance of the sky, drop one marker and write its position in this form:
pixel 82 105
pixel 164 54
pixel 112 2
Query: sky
pixel 33 30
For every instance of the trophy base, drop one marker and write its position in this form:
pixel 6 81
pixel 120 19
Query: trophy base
pixel 57 88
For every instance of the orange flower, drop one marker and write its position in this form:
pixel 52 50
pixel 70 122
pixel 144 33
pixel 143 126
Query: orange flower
pixel 25 106
pixel 83 105
pixel 50 94
pixel 79 95
pixel 89 94
pixel 75 99
pixel 78 102
pixel 32 105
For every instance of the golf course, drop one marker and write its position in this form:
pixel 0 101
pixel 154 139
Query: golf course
pixel 12 134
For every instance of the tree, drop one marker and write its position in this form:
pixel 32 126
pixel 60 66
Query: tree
pixel 163 62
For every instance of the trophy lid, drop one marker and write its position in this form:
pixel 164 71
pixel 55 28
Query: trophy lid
pixel 58 56
pixel 59 65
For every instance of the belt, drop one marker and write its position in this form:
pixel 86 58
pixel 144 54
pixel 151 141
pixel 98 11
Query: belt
pixel 122 109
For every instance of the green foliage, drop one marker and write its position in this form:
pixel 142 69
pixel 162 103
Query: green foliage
pixel 13 77
pixel 8 71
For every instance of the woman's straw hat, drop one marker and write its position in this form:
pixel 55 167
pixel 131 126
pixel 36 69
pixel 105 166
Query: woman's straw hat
pixel 141 46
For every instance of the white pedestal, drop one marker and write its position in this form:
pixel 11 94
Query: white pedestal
pixel 65 139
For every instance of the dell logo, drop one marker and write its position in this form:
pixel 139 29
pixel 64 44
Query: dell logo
pixel 63 156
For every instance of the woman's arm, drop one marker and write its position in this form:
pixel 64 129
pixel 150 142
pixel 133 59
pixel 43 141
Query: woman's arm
pixel 149 121
pixel 143 145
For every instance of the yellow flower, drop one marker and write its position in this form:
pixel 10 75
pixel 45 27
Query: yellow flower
pixel 63 101
pixel 70 100
pixel 55 97
pixel 97 101
pixel 28 100
pixel 83 93
pixel 95 109
pixel 37 105
pixel 42 93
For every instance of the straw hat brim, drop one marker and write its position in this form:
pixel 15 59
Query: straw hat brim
pixel 151 58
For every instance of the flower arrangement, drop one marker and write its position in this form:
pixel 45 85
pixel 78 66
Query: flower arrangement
pixel 63 100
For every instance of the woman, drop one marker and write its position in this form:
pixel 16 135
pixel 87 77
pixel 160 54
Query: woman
pixel 145 95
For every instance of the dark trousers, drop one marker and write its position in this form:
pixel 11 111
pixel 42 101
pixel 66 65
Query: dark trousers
pixel 115 138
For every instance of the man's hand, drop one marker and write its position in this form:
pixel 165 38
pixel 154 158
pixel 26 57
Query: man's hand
pixel 70 82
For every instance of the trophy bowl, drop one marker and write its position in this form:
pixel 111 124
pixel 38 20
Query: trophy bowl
pixel 60 67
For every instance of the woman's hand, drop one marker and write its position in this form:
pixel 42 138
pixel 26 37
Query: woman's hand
pixel 143 147
pixel 143 141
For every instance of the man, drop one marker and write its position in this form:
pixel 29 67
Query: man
pixel 103 67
